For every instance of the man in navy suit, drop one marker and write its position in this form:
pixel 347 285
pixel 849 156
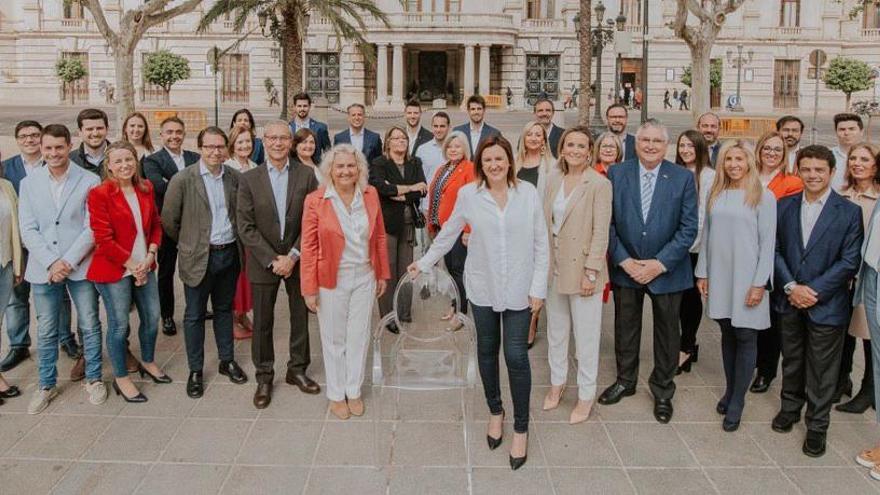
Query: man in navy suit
pixel 159 168
pixel 544 111
pixel 818 253
pixel 709 124
pixel 302 104
pixel 654 223
pixel 416 133
pixel 363 139
pixel 616 116
pixel 476 129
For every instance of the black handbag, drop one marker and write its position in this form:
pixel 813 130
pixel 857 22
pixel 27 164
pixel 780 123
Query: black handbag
pixel 418 219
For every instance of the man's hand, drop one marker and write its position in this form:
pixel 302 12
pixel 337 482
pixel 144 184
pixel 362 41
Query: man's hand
pixel 282 266
pixel 59 271
pixel 754 296
pixel 631 267
pixel 802 297
pixel 650 269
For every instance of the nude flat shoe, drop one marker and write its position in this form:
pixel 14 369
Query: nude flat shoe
pixel 340 409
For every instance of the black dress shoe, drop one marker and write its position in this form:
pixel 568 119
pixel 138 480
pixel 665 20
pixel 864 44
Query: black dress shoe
pixel 156 379
pixel 494 443
pixel 860 403
pixel 814 444
pixel 14 358
pixel 663 410
pixel 760 385
pixel 169 327
pixel 139 398
pixel 233 371
pixel 614 393
pixel 263 395
pixel 729 426
pixel 843 388
pixel 10 392
pixel 392 327
pixel 195 385
pixel 518 462
pixel 72 349
pixel 783 422
pixel 721 408
pixel 303 382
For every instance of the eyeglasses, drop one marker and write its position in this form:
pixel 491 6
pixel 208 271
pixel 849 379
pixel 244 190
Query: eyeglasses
pixel 768 149
pixel 608 147
pixel 35 135
pixel 399 138
pixel 215 148
pixel 276 139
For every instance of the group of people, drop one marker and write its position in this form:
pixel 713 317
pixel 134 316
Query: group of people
pixel 779 241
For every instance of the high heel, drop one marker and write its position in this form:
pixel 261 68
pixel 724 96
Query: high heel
pixel 156 379
pixel 685 367
pixel 494 443
pixel 517 462
pixel 549 403
pixel 137 398
pixel 696 354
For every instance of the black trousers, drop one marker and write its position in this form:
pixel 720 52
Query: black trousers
pixel 738 355
pixel 810 364
pixel 454 261
pixel 846 360
pixel 262 343
pixel 769 348
pixel 628 305
pixel 691 313
pixel 219 286
pixel 167 259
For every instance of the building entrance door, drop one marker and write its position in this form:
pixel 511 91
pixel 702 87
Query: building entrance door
pixel 786 81
pixel 432 75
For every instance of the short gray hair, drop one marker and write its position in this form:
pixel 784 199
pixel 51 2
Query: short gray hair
pixel 277 123
pixel 329 157
pixel 653 124
pixel 465 143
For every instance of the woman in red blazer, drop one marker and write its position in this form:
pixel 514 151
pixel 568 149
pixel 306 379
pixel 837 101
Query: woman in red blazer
pixel 127 231
pixel 343 269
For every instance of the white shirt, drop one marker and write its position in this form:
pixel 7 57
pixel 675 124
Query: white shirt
pixel 139 249
pixel 357 140
pixel 301 124
pixel 560 202
pixel 643 183
pixel 792 158
pixel 30 167
pixel 355 227
pixel 810 214
pixel 178 160
pixel 431 154
pixel 56 186
pixel 235 164
pixel 707 177
pixel 838 180
pixel 475 137
pixel 508 250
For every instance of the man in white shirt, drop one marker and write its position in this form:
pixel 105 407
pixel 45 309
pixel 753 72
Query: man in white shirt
pixel 792 129
pixel 417 134
pixel 850 131
pixel 364 140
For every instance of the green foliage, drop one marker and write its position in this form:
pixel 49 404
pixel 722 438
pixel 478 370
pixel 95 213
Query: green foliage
pixel 715 72
pixel 164 68
pixel 70 69
pixel 848 75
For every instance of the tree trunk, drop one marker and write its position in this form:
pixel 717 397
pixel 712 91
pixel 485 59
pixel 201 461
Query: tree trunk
pixel 168 97
pixel 123 57
pixel 71 88
pixel 586 61
pixel 848 100
pixel 700 81
pixel 292 43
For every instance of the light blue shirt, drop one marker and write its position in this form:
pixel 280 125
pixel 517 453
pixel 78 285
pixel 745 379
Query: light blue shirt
pixel 221 226
pixel 278 180
pixel 643 184
pixel 431 154
pixel 357 140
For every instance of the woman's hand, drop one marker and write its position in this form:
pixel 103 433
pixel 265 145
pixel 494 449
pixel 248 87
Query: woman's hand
pixel 413 270
pixel 588 288
pixel 381 287
pixel 754 296
pixel 312 303
pixel 420 187
pixel 535 304
pixel 703 286
pixel 465 237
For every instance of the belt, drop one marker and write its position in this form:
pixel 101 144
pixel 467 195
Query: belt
pixel 220 247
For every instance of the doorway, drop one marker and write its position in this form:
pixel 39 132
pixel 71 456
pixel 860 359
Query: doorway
pixel 432 75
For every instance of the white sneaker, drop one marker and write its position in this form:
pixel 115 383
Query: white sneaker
pixel 42 398
pixel 97 392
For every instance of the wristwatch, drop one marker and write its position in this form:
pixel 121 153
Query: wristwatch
pixel 788 288
pixel 591 276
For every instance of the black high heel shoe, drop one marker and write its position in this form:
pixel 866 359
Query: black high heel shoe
pixel 495 442
pixel 136 399
pixel 156 379
pixel 517 462
pixel 693 357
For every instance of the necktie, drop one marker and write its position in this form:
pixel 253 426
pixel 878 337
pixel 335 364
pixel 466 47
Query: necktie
pixel 647 194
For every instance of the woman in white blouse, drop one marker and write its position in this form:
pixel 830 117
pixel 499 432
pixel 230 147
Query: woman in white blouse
pixel 505 278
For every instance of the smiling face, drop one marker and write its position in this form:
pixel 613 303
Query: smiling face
pixel 791 132
pixel 608 150
pixel 306 148
pixel 213 150
pixel 544 113
pixel 687 150
pixel 55 150
pixel 439 127
pixel 398 142
pixel 344 171
pixel 243 146
pixel 455 150
pixel 277 141
pixel 93 132
pixel 534 138
pixel 708 127
pixel 862 165
pixel 172 135
pixel 413 115
pixel 736 165
pixel 122 164
pixel 134 129
pixel 816 174
pixel 770 153
pixel 576 149
pixel 242 120
pixel 476 112
pixel 495 165
pixel 302 108
pixel 616 120
pixel 356 118
pixel 651 146
pixel 28 140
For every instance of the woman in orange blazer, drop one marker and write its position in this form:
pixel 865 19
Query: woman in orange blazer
pixel 457 172
pixel 127 230
pixel 343 268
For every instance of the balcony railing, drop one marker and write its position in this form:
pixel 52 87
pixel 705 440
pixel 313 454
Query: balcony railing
pixel 442 20
pixel 65 25
pixel 871 33
pixel 543 24
pixel 788 31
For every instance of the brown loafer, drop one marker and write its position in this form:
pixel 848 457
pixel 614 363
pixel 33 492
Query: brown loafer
pixel 356 407
pixel 340 409
pixel 78 372
pixel 263 395
pixel 303 382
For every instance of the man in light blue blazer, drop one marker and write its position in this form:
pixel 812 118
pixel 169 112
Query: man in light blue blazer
pixel 476 129
pixel 654 224
pixel 365 140
pixel 54 224
pixel 302 105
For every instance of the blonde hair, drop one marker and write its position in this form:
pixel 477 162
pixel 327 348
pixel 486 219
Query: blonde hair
pixel 136 180
pixel 598 144
pixel 329 157
pixel 520 158
pixel 562 163
pixel 752 181
pixel 464 144
pixel 237 131
pixel 874 151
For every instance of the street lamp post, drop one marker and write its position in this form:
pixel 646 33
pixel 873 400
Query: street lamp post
pixel 738 62
pixel 644 104
pixel 620 21
pixel 600 45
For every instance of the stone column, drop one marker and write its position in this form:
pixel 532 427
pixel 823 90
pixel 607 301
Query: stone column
pixel 397 75
pixel 468 72
pixel 484 70
pixel 382 75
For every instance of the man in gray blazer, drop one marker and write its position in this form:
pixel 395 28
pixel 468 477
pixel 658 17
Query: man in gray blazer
pixel 55 230
pixel 270 210
pixel 198 214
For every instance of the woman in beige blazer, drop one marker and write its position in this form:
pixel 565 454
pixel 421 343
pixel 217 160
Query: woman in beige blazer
pixel 10 261
pixel 577 207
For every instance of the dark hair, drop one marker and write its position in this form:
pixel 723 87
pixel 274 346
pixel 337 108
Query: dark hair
pixel 818 152
pixel 846 117
pixel 91 114
pixel 479 100
pixel 174 119
pixel 543 100
pixel 147 141
pixel 250 117
pixel 25 124
pixel 701 150
pixel 302 96
pixel 442 115
pixel 214 131
pixel 298 137
pixel 616 105
pixel 786 119
pixel 57 131
pixel 413 103
pixel 495 140
pixel 578 129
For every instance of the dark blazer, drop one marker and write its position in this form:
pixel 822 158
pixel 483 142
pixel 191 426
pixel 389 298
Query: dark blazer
pixel 828 263
pixel 159 168
pixel 488 130
pixel 13 171
pixel 78 156
pixel 713 153
pixel 423 137
pixel 258 222
pixel 385 177
pixel 629 147
pixel 668 233
pixel 259 154
pixel 322 137
pixel 553 139
pixel 372 143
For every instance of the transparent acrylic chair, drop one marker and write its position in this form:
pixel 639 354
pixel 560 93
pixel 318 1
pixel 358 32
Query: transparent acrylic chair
pixel 428 354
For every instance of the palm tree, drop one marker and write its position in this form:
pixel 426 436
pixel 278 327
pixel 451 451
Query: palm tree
pixel 584 40
pixel 287 20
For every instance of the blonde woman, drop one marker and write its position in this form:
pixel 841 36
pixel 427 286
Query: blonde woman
pixel 734 267
pixel 607 151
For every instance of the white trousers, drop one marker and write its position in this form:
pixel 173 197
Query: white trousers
pixel 583 315
pixel 344 316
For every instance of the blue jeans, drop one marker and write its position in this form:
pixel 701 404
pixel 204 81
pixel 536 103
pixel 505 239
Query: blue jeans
pixel 117 301
pixel 870 298
pixel 18 318
pixel 489 325
pixel 6 281
pixel 48 301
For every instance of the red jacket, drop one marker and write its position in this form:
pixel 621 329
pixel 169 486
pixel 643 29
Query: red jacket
pixel 785 185
pixel 113 226
pixel 463 175
pixel 322 241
